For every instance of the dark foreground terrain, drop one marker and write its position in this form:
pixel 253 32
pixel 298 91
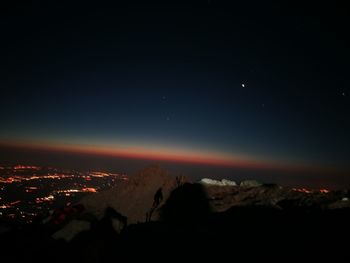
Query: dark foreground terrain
pixel 186 225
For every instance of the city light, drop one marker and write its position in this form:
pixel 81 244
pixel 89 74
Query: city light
pixel 43 189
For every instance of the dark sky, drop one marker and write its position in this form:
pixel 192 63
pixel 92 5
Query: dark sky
pixel 232 83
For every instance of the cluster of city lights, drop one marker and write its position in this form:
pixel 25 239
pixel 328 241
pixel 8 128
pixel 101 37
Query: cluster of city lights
pixel 308 191
pixel 28 191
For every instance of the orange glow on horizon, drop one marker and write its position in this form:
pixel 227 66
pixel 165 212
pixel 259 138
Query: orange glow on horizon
pixel 165 154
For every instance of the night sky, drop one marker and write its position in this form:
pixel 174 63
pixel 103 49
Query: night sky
pixel 225 87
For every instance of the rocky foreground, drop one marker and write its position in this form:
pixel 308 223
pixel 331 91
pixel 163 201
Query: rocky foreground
pixel 155 213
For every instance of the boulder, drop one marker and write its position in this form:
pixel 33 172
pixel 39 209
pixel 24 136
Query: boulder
pixel 72 229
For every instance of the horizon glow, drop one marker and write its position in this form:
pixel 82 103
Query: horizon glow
pixel 162 153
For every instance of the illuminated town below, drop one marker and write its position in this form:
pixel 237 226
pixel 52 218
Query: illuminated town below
pixel 29 193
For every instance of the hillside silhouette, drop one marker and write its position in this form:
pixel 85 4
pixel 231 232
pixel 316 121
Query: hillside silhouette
pixel 263 222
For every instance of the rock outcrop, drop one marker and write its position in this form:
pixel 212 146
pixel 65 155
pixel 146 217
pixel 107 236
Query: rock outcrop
pixel 250 183
pixel 223 182
pixel 72 229
pixel 222 198
pixel 135 198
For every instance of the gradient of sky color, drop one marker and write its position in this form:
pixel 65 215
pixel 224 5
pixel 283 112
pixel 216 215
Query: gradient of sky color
pixel 167 78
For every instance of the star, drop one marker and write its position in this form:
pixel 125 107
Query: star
pixel 343 94
pixel 243 85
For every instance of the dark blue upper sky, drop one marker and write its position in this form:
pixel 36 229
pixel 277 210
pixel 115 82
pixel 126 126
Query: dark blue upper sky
pixel 170 73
